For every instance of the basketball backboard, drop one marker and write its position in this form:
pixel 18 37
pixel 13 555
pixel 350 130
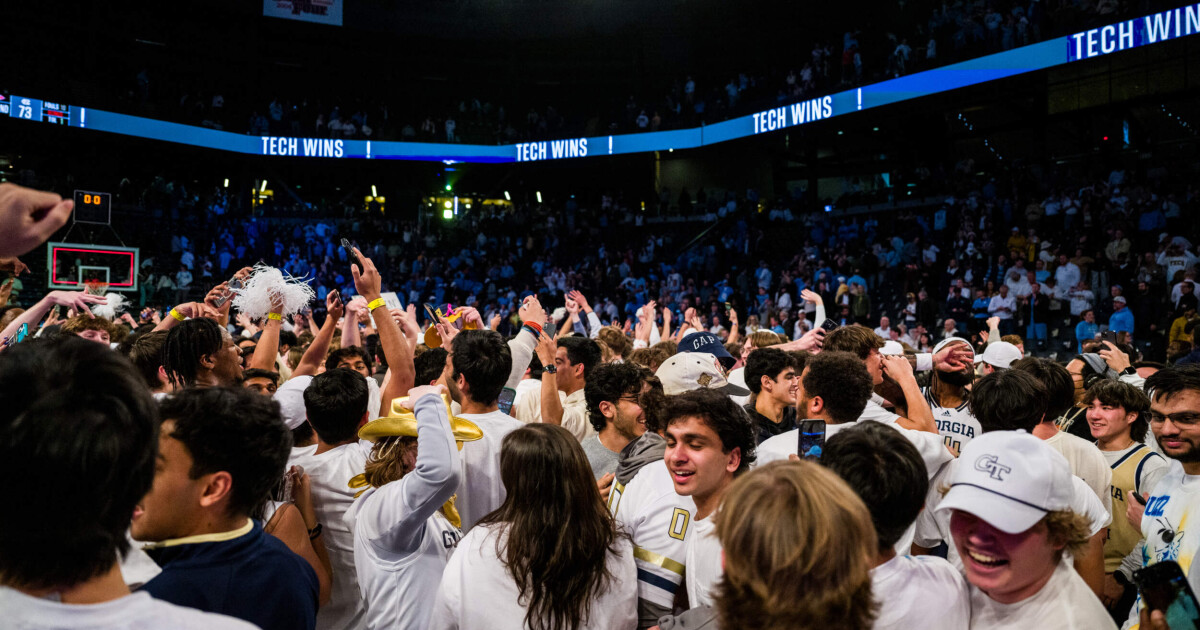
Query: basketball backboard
pixel 73 265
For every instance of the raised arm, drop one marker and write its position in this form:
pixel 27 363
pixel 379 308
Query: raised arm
pixel 78 300
pixel 368 283
pixel 315 355
pixel 396 520
pixel 522 346
pixel 552 409
pixel 266 353
pixel 920 416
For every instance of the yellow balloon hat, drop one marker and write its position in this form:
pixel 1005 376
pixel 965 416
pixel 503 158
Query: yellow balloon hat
pixel 403 422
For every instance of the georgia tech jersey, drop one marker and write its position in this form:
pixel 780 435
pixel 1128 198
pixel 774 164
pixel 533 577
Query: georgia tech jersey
pixel 658 519
pixel 956 425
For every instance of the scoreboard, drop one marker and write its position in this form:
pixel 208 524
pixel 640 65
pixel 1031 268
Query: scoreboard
pixel 27 108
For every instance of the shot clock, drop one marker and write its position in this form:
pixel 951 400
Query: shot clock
pixel 92 207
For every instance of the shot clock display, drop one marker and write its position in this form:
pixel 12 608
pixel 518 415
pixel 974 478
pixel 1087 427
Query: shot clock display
pixel 92 207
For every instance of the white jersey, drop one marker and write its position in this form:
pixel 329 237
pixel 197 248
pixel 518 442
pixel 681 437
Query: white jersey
pixel 658 519
pixel 478 591
pixel 330 474
pixel 933 527
pixel 480 490
pixel 137 611
pixel 401 539
pixel 704 562
pixel 920 592
pixel 956 425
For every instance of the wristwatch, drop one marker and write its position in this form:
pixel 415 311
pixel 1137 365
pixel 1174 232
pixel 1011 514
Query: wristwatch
pixel 549 369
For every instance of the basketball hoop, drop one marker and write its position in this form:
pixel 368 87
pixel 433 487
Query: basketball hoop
pixel 95 287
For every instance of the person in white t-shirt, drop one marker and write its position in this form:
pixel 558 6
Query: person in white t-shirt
pixel 710 440
pixel 84 417
pixel 887 473
pixel 1011 516
pixel 476 370
pixel 1003 401
pixel 565 367
pixel 335 406
pixel 404 522
pixel 866 345
pixel 551 556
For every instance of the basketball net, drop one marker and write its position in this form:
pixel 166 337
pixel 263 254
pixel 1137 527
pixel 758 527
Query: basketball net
pixel 95 287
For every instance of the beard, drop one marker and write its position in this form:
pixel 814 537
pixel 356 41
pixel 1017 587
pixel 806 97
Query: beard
pixel 1190 455
pixel 960 378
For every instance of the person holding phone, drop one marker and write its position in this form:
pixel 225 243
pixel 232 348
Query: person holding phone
pixel 1164 513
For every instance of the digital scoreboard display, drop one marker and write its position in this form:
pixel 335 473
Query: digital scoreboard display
pixel 56 113
pixel 3 105
pixel 93 207
pixel 25 108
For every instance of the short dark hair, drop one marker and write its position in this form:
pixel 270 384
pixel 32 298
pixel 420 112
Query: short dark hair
pixel 336 356
pixel 187 344
pixel 721 414
pixel 609 383
pixel 78 418
pixel 484 360
pixel 335 403
pixel 261 373
pixel 430 365
pixel 581 350
pixel 768 362
pixel 1126 396
pixel 236 431
pixel 288 338
pixel 1008 400
pixel 1060 389
pixel 145 351
pixel 885 470
pixel 1170 381
pixel 857 340
pixel 841 380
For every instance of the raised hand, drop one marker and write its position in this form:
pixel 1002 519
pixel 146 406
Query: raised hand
pixel 531 311
pixel 334 306
pixel 29 218
pixel 75 300
pixel 578 298
pixel 367 280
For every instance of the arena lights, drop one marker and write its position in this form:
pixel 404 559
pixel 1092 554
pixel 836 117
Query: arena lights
pixel 507 197
pixel 539 196
pixel 373 193
pixel 227 182
pixel 1113 38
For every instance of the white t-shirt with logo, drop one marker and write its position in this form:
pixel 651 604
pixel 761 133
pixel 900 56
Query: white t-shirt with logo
pixel 920 592
pixel 329 478
pixel 137 611
pixel 1168 529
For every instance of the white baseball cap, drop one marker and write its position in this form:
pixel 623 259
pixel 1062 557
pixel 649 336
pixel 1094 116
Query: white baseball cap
pixel 290 397
pixel 1000 354
pixel 949 340
pixel 891 348
pixel 687 371
pixel 1010 479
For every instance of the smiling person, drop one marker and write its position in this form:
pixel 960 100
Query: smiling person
pixel 710 441
pixel 613 396
pixel 1173 503
pixel 1012 523
pixel 199 353
pixel 1116 417
pixel 773 381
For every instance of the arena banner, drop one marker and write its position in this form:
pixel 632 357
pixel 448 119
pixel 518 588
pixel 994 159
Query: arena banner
pixel 318 11
pixel 1133 33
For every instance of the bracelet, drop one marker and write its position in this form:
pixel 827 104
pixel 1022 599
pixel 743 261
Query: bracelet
pixel 177 315
pixel 275 316
pixel 533 328
pixel 376 303
pixel 314 532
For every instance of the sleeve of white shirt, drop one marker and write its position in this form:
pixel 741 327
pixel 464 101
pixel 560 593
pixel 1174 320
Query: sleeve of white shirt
pixel 594 324
pixel 521 348
pixel 929 533
pixel 395 520
pixel 924 362
pixel 575 420
pixel 655 336
pixel 1134 379
pixel 1089 506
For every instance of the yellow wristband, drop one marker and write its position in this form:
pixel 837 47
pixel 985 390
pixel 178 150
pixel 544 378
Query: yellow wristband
pixel 376 303
pixel 275 316
pixel 177 315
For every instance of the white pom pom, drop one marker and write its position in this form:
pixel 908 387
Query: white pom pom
pixel 115 303
pixel 254 298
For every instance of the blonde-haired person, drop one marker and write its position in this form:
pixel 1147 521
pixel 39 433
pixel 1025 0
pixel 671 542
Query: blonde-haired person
pixel 799 547
pixel 1013 526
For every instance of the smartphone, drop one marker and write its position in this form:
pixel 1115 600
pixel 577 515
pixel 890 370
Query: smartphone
pixel 508 396
pixel 728 306
pixel 829 325
pixel 812 439
pixel 349 247
pixel 429 312
pixel 550 329
pixel 1109 336
pixel 234 284
pixel 1164 587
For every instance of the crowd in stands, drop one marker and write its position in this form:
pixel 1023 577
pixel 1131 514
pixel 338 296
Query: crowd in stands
pixel 948 33
pixel 234 463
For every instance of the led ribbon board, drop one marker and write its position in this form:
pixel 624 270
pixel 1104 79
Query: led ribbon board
pixel 1089 44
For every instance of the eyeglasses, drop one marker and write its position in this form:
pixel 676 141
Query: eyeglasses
pixel 633 398
pixel 1183 418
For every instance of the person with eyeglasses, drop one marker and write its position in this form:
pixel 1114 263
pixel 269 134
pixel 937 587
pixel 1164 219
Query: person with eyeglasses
pixel 1165 514
pixel 613 395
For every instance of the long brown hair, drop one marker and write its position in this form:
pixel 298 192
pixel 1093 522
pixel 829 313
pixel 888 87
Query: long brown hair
pixel 387 462
pixel 798 545
pixel 559 532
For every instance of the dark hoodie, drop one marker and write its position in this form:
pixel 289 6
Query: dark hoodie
pixel 646 449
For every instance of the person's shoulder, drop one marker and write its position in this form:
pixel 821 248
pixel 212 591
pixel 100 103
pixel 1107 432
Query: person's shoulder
pixel 777 447
pixel 166 614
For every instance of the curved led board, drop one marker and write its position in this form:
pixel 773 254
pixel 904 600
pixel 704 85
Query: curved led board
pixel 1146 30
